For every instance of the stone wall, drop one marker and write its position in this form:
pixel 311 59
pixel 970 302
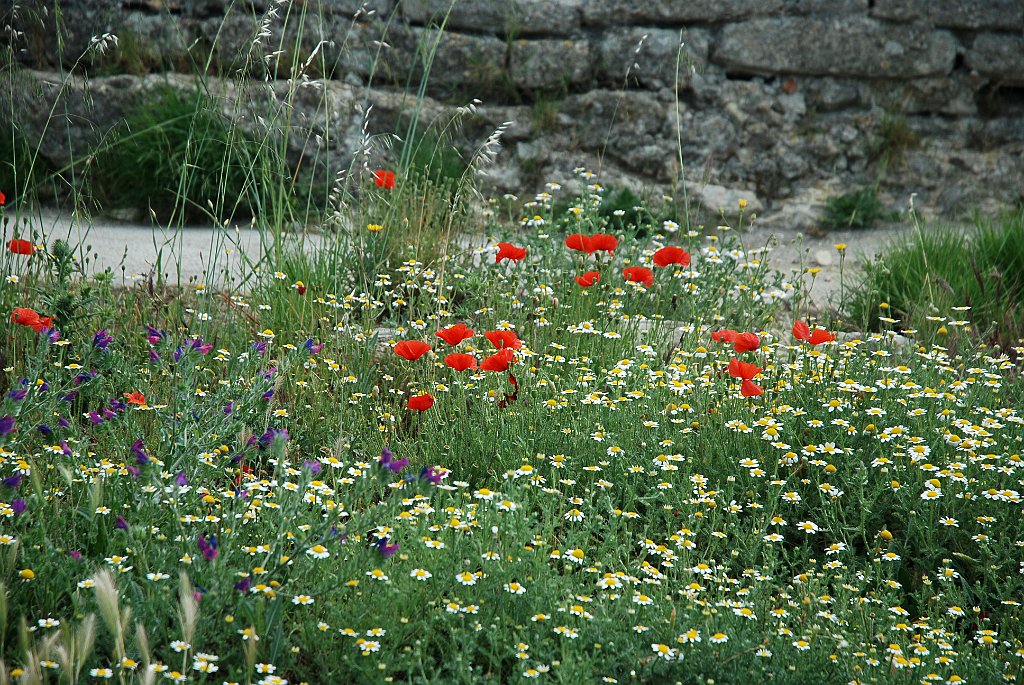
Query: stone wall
pixel 790 100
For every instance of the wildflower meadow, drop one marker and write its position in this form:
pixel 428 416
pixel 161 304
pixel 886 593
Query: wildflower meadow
pixel 570 452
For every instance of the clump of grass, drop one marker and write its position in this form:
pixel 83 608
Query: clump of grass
pixel 981 272
pixel 860 209
pixel 179 158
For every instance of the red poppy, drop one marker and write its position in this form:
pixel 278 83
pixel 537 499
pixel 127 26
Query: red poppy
pixel 420 402
pixel 603 242
pixel 820 335
pixel 29 317
pixel 3 199
pixel 412 349
pixel 460 361
pixel 384 178
pixel 671 254
pixel 726 335
pixel 135 397
pixel 580 243
pixel 504 339
pixel 509 251
pixel 801 331
pixel 639 274
pixel 744 370
pixel 746 342
pixel 21 246
pixel 453 335
pixel 588 279
pixel 749 388
pixel 499 361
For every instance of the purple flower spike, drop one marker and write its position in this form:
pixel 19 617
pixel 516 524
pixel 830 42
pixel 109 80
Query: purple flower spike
pixel 208 548
pixel 386 549
pixel 75 554
pixel 432 474
pixel 181 480
pixel 102 339
pixel 18 506
pixel 12 482
pixel 6 425
pixel 314 467
pixel 139 450
pixel 121 523
pixel 243 585
pixel 17 395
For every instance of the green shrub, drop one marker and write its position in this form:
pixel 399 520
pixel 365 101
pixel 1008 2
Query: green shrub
pixel 922 279
pixel 860 209
pixel 178 157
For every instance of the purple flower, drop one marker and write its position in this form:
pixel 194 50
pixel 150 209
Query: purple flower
pixel 208 548
pixel 198 345
pixel 313 349
pixel 433 474
pixel 314 467
pixel 52 334
pixel 65 448
pixel 6 425
pixel 75 554
pixel 121 523
pixel 18 506
pixel 153 356
pixel 44 429
pixel 243 584
pixel 386 549
pixel 134 470
pixel 154 336
pixel 102 339
pixel 268 394
pixel 260 347
pixel 12 482
pixel 63 423
pixel 387 460
pixel 181 480
pixel 95 418
pixel 17 395
pixel 139 450
pixel 229 407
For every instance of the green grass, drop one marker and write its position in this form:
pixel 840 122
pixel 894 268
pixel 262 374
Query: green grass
pixel 859 209
pixel 174 131
pixel 923 276
pixel 205 495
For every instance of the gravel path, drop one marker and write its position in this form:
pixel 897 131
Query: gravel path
pixel 217 256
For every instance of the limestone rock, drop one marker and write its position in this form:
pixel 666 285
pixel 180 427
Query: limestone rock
pixel 619 12
pixel 649 56
pixel 504 19
pixel 999 56
pixel 549 64
pixel 968 14
pixel 851 46
pixel 720 200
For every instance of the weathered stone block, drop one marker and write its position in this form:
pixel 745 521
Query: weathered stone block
pixel 549 64
pixel 649 56
pixel 998 56
pixel 517 17
pixel 827 7
pixel 351 7
pixel 619 12
pixel 464 65
pixel 967 14
pixel 851 46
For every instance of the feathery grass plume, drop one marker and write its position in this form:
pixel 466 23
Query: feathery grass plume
pixel 188 607
pixel 72 646
pixel 109 603
pixel 3 608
